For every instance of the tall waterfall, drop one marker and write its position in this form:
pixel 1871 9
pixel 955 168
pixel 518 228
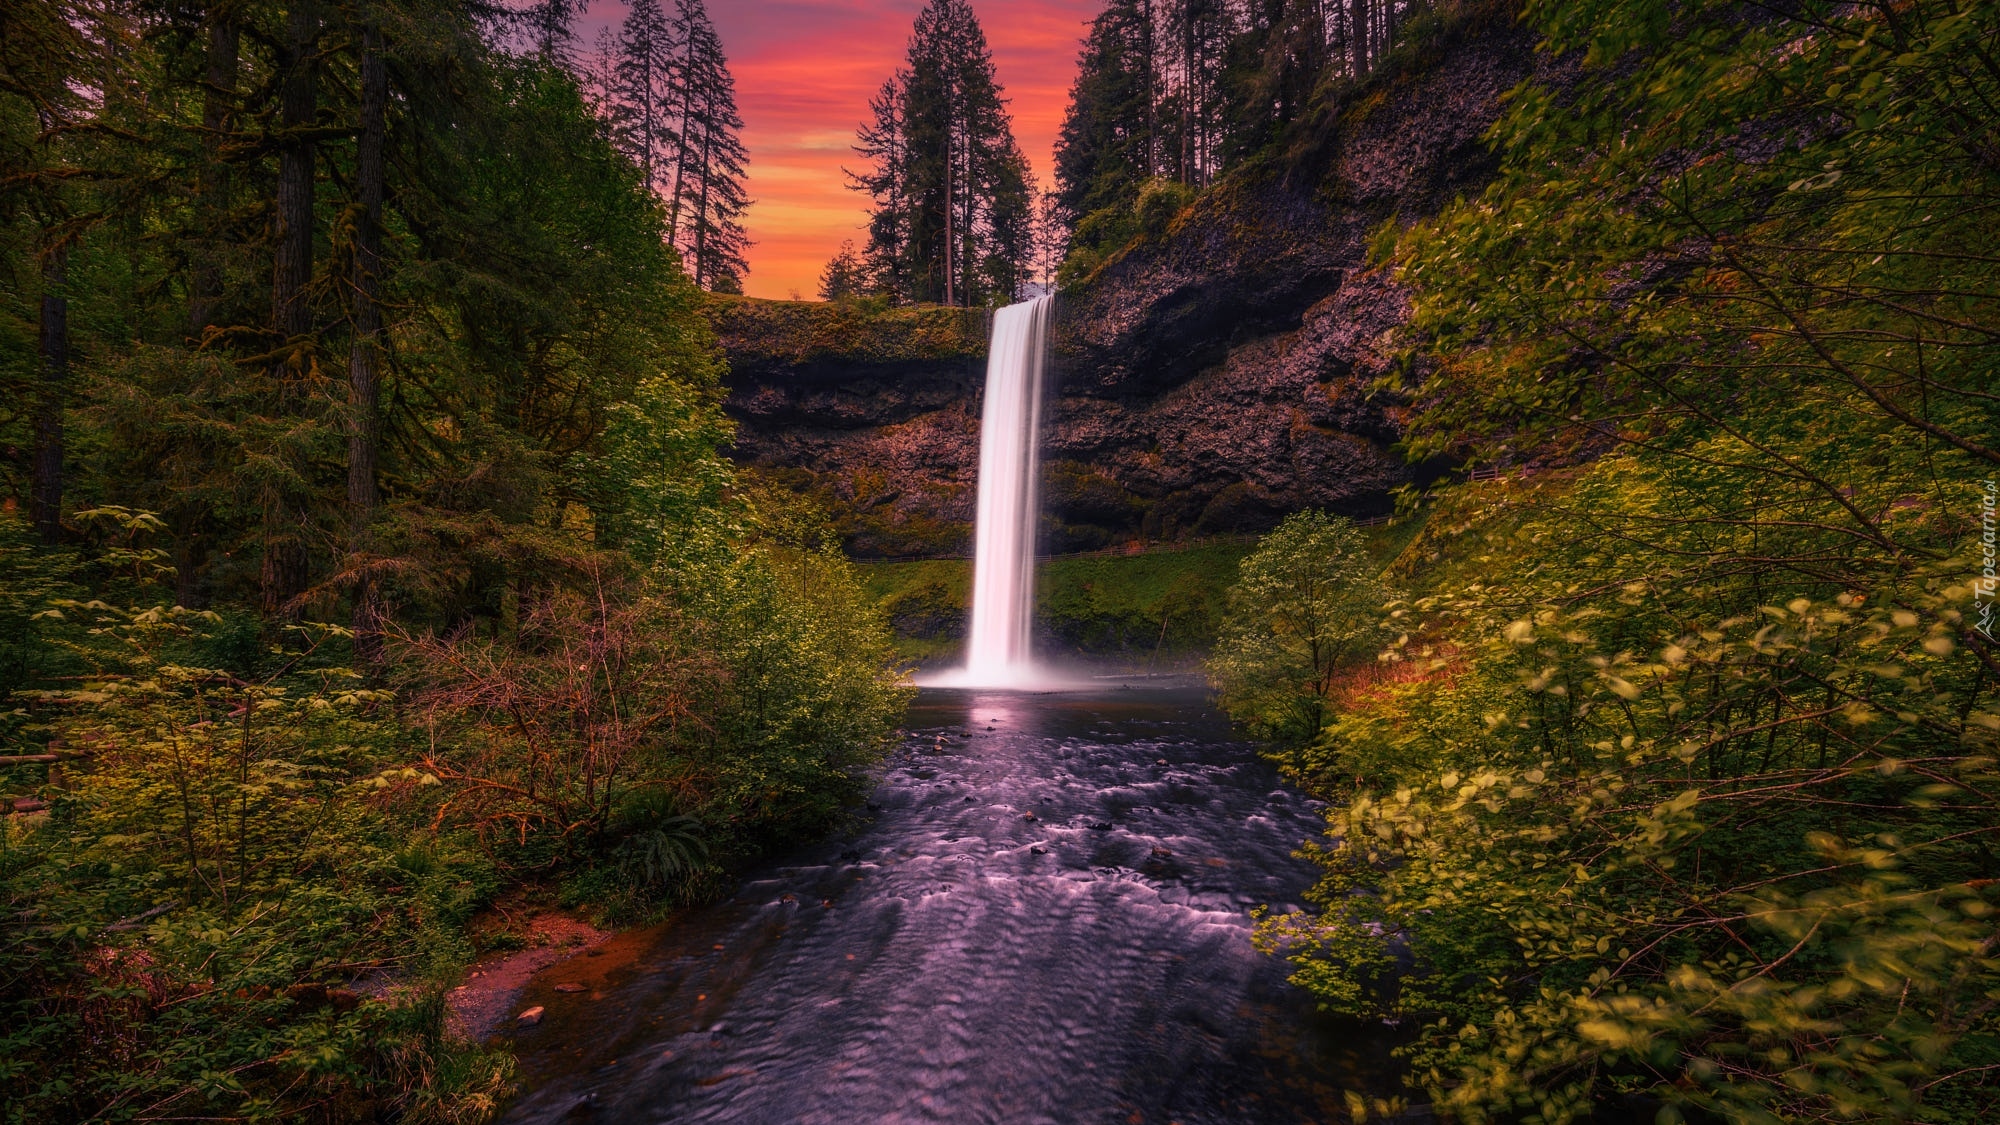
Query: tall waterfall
pixel 1003 569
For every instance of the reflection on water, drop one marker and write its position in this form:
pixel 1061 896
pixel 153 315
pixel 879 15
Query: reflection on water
pixel 1045 920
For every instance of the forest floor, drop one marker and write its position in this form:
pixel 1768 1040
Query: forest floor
pixel 520 942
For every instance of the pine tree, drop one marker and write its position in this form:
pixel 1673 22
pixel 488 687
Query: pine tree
pixel 1178 89
pixel 708 197
pixel 953 218
pixel 549 26
pixel 881 143
pixel 641 92
pixel 1103 151
pixel 844 276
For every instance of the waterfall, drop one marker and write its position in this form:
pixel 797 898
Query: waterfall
pixel 1003 568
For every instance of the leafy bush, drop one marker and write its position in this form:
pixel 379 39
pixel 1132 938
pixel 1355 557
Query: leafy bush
pixel 186 919
pixel 1688 800
pixel 1160 202
pixel 1306 603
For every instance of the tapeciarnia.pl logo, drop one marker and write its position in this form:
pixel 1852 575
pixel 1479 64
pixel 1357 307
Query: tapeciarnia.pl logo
pixel 1984 589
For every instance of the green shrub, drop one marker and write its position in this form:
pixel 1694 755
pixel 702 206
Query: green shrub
pixel 1306 603
pixel 1160 202
pixel 216 866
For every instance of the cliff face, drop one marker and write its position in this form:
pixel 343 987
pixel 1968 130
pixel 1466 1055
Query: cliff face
pixel 1209 378
pixel 873 411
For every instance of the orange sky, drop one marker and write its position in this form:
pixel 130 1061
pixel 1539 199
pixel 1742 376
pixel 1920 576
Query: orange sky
pixel 805 70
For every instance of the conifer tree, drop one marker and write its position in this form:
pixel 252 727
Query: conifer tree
pixel 708 198
pixel 663 84
pixel 844 276
pixel 1103 152
pixel 1177 89
pixel 953 218
pixel 641 91
pixel 285 570
pixel 549 26
pixel 881 143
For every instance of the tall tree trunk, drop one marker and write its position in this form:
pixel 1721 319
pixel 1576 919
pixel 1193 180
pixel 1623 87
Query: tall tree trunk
pixel 681 147
pixel 45 491
pixel 950 205
pixel 284 564
pixel 1357 31
pixel 218 91
pixel 364 353
pixel 701 209
pixel 1187 96
pixel 1152 100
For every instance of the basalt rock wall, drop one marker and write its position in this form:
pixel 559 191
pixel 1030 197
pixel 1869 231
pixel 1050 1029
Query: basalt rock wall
pixel 1210 378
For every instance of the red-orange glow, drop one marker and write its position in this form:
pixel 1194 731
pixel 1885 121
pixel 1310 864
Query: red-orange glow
pixel 805 70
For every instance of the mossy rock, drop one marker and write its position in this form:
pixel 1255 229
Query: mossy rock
pixel 761 333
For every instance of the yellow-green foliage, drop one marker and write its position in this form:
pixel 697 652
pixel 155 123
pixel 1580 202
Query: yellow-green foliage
pixel 1306 603
pixel 217 862
pixel 759 331
pixel 1685 787
pixel 1668 833
pixel 809 695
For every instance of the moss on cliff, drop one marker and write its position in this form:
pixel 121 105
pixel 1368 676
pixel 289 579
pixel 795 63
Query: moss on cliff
pixel 796 333
pixel 1162 605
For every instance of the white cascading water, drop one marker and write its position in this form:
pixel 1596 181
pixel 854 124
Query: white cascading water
pixel 1003 567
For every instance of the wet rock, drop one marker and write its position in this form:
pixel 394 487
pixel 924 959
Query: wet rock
pixel 530 1018
pixel 569 986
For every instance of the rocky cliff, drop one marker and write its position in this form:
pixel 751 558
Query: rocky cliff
pixel 1209 378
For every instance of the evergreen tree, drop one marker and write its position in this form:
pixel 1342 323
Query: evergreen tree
pixel 1193 97
pixel 1178 89
pixel 549 27
pixel 707 199
pixel 641 91
pixel 953 218
pixel 844 276
pixel 1104 151
pixel 881 143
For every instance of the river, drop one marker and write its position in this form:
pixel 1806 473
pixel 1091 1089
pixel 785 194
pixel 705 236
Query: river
pixel 1044 919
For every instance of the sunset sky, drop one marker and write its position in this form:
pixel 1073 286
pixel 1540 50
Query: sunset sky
pixel 805 70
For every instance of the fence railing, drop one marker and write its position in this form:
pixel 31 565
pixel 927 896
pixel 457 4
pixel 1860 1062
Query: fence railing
pixel 1496 472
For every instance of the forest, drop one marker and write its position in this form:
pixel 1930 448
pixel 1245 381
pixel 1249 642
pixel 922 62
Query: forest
pixel 386 546
pixel 369 551
pixel 1663 759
